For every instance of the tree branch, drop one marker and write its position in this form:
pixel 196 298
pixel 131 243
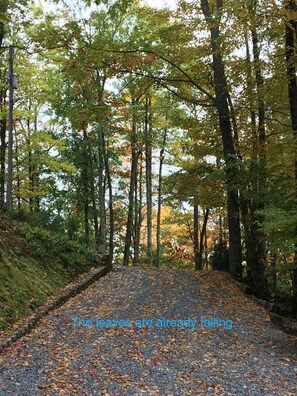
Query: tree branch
pixel 189 79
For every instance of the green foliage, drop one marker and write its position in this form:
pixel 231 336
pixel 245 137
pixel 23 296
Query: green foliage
pixel 42 219
pixel 35 263
pixel 44 244
pixel 219 258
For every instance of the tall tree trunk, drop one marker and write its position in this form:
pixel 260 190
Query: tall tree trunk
pixel 133 176
pixel 93 200
pixel 196 237
pixel 138 214
pixel 36 169
pixel 129 226
pixel 260 94
pixel 249 94
pixel 159 210
pixel 273 270
pixel 110 202
pixel 221 103
pixel 260 204
pixel 18 194
pixel 148 176
pixel 3 121
pixel 136 240
pixel 86 213
pixel 255 239
pixel 85 179
pixel 220 229
pixel 30 166
pixel 202 236
pixel 292 91
pixel 101 189
pixel 2 163
pixel 205 249
pixel 160 185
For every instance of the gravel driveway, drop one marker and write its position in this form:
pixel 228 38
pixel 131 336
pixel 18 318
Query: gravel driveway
pixel 140 331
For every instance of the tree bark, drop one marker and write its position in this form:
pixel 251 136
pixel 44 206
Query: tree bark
pixel 159 210
pixel 292 92
pixel 196 238
pixel 110 201
pixel 85 177
pixel 249 94
pixel 2 163
pixel 220 229
pixel 148 176
pixel 133 177
pixel 138 214
pixel 221 103
pixel 30 165
pixel 202 237
pixel 205 249
pixel 36 169
pixel 160 185
pixel 17 162
pixel 93 200
pixel 273 270
pixel 255 239
pixel 260 135
pixel 101 190
pixel 3 123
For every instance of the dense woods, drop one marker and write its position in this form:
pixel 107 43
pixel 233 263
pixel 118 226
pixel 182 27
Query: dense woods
pixel 158 136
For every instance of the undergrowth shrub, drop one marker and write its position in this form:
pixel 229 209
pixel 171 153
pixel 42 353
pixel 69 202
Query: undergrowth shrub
pixel 45 244
pixel 219 258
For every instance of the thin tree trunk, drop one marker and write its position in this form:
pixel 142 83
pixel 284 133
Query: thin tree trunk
pixel 138 214
pixel 274 276
pixel 129 227
pixel 3 121
pixel 93 199
pixel 3 10
pixel 250 91
pixel 234 124
pixel 220 229
pixel 110 202
pixel 2 161
pixel 30 166
pixel 160 185
pixel 36 171
pixel 134 161
pixel 101 190
pixel 85 177
pixel 202 236
pixel 148 176
pixel 196 237
pixel 136 241
pixel 18 195
pixel 260 88
pixel 205 249
pixel 159 210
pixel 135 226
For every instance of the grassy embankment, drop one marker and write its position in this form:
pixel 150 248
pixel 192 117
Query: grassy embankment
pixel 34 264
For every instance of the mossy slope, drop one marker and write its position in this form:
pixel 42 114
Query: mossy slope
pixel 34 264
